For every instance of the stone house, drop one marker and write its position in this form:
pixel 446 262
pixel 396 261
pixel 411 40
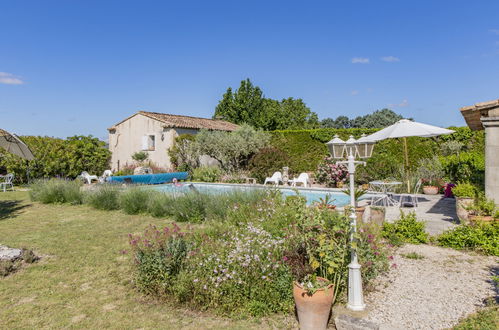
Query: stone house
pixel 154 133
pixel 485 116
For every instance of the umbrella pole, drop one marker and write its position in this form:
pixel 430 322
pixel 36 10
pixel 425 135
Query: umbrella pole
pixel 406 153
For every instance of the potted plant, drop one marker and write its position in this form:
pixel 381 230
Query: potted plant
pixel 430 187
pixel 464 194
pixel 313 299
pixel 331 174
pixel 326 202
pixel 482 210
pixel 359 210
pixel 431 172
pixel 318 259
pixel 377 215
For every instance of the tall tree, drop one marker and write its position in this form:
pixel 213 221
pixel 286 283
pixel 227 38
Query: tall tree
pixel 377 119
pixel 248 105
pixel 245 105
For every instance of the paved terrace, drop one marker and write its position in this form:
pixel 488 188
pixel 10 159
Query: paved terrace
pixel 437 212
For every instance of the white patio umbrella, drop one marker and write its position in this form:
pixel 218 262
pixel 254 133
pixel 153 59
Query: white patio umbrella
pixel 11 143
pixel 406 128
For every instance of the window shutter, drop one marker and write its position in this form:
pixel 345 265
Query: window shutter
pixel 145 141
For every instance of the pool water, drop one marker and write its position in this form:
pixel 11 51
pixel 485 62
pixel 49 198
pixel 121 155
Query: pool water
pixel 312 195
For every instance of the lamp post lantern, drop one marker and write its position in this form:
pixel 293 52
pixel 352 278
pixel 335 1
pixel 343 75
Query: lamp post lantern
pixel 351 148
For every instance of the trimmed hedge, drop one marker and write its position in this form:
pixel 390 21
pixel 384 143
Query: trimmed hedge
pixel 306 149
pixel 65 158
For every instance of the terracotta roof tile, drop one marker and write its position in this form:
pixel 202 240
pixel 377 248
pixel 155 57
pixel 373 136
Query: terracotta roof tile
pixel 473 113
pixel 179 121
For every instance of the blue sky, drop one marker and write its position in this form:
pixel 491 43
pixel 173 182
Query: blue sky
pixel 77 67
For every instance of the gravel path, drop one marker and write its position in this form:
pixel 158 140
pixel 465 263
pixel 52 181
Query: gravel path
pixel 433 292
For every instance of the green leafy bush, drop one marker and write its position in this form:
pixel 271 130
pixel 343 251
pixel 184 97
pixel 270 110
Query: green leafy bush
pixel 465 167
pixel 464 190
pixel 406 229
pixel 58 158
pixel 55 191
pixel 140 156
pixel 135 200
pixel 482 206
pixel 267 161
pixel 183 154
pixel 482 237
pixel 105 197
pixel 160 205
pixel 160 256
pixel 207 174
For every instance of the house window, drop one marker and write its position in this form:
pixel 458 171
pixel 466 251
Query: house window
pixel 148 142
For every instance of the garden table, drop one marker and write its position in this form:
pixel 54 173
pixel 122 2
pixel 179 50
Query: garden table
pixel 386 188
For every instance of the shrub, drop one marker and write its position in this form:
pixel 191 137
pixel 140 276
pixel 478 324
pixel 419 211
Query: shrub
pixel 140 156
pixel 160 256
pixel 451 147
pixel 482 237
pixel 329 173
pixel 266 162
pixel 406 229
pixel 105 197
pixel 465 166
pixel 207 174
pixel 482 206
pixel 464 190
pixel 191 207
pixel 135 200
pixel 232 149
pixel 240 272
pixel 183 155
pixel 56 191
pixel 160 205
pixel 430 169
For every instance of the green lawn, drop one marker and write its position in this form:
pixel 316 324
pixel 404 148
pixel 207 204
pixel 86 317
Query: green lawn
pixel 83 279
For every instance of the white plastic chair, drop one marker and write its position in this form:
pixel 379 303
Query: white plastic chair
pixel 303 178
pixel 7 181
pixel 411 198
pixel 275 179
pixel 105 175
pixel 88 178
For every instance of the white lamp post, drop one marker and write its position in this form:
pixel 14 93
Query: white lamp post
pixel 361 148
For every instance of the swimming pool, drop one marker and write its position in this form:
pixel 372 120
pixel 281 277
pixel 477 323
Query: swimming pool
pixel 311 194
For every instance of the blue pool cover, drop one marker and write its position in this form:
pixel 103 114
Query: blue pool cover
pixel 149 178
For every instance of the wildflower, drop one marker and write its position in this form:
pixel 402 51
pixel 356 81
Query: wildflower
pixel 205 287
pixel 195 280
pixel 394 265
pixel 390 257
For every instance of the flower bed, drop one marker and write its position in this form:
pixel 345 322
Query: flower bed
pixel 245 264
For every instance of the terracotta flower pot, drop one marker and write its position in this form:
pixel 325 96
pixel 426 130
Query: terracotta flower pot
pixel 313 309
pixel 461 204
pixel 430 190
pixel 377 215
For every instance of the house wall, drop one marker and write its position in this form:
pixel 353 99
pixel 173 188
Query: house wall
pixel 127 139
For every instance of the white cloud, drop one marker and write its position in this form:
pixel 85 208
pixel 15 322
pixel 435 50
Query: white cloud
pixel 390 59
pixel 10 79
pixel 404 103
pixel 494 31
pixel 354 92
pixel 361 60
